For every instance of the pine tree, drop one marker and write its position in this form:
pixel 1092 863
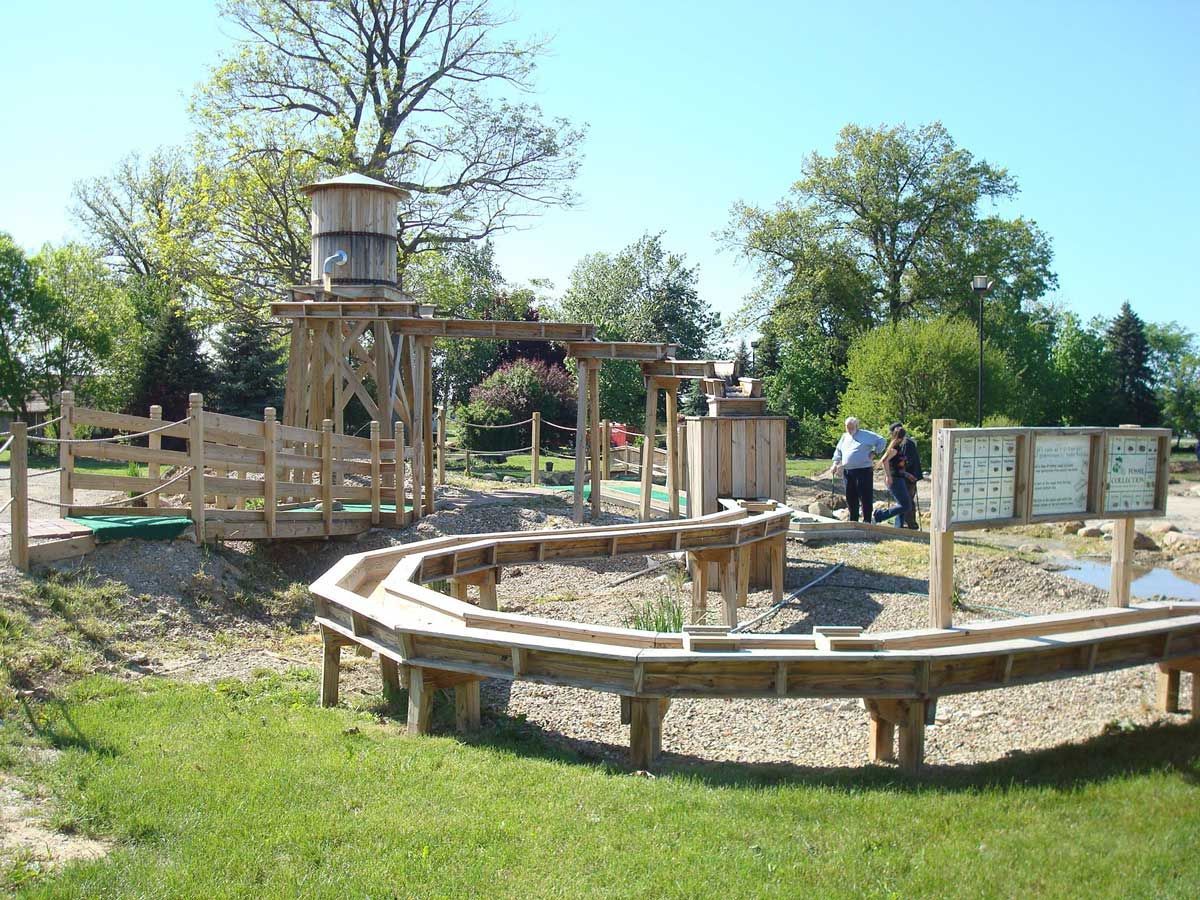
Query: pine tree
pixel 741 361
pixel 1134 391
pixel 766 355
pixel 249 369
pixel 173 367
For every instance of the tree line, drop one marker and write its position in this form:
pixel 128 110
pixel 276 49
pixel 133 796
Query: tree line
pixel 861 302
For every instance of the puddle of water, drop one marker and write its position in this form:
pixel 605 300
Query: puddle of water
pixel 1146 582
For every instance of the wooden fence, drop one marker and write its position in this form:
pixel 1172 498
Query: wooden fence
pixel 235 478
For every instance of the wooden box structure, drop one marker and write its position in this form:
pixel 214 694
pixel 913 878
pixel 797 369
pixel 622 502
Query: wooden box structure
pixel 739 458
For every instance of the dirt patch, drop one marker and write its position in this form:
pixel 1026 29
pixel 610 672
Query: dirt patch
pixel 29 845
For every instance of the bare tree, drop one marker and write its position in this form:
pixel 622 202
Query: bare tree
pixel 416 92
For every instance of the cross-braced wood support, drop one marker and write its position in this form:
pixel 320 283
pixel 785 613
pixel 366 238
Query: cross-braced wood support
pixel 908 717
pixel 732 566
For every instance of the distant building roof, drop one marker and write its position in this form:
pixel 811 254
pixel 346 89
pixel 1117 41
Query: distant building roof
pixel 35 405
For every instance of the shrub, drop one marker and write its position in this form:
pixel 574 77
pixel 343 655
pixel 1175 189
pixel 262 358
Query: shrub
pixel 515 392
pixel 664 614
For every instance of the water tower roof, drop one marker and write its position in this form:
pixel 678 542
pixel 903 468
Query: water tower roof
pixel 354 180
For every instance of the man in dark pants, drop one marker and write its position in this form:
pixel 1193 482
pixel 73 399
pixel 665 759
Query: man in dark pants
pixel 912 472
pixel 854 457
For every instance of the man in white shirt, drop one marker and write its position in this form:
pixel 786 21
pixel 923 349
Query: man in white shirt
pixel 854 457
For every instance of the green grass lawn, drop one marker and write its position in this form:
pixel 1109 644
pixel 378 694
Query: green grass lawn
pixel 806 468
pixel 518 465
pixel 250 789
pixel 95 466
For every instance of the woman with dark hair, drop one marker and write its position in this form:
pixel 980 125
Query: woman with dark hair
pixel 894 463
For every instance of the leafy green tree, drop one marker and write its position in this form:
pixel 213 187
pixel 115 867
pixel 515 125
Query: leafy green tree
pixel 1083 373
pixel 642 293
pixel 89 335
pixel 173 366
pixel 21 300
pixel 512 393
pixel 1133 397
pixel 920 370
pixel 248 368
pixel 1175 364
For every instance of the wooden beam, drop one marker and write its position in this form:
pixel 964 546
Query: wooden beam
pixel 651 425
pixel 536 449
pixel 595 434
pixel 427 421
pixel 941 540
pixel 420 701
pixel 581 410
pixel 331 658
pixel 196 452
pixel 672 391
pixel 619 350
pixel 389 673
pixel 466 706
pixel 18 473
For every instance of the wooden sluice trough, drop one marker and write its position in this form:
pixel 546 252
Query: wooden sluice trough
pixel 426 640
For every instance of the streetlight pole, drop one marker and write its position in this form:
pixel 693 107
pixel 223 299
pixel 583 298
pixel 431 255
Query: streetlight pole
pixel 980 284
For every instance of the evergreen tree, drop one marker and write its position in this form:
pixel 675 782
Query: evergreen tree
pixel 766 354
pixel 1133 385
pixel 173 367
pixel 741 361
pixel 249 369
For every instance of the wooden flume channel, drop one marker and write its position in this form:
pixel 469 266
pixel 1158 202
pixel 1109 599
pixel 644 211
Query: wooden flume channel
pixel 425 639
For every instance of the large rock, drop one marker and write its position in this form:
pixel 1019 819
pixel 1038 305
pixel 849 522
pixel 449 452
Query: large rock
pixel 820 509
pixel 1188 564
pixel 1091 531
pixel 1143 541
pixel 1073 527
pixel 1107 527
pixel 1162 526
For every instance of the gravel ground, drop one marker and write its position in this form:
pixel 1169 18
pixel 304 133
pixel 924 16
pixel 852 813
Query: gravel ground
pixel 194 614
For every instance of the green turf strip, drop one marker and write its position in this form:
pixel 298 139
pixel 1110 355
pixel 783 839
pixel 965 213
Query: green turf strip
pixel 119 528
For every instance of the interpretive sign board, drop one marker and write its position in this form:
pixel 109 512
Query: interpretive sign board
pixel 997 477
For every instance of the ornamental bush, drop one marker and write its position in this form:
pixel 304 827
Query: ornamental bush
pixel 512 394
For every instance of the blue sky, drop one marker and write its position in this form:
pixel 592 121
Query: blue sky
pixel 1091 106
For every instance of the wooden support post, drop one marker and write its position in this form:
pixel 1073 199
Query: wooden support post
pixel 672 424
pixel 912 736
pixel 606 451
pixel 1168 688
pixel 18 473
pixel 594 431
pixel 66 459
pixel 383 377
pixel 535 442
pixel 1124 532
pixel 376 473
pixel 648 448
pixel 401 518
pixel 389 672
pixel 154 442
pixel 331 660
pixel 196 454
pixel 778 561
pixel 882 744
pixel 466 706
pixel 327 475
pixel 417 435
pixel 467 462
pixel 729 587
pixel 460 589
pixel 441 462
pixel 941 541
pixel 645 730
pixel 420 701
pixel 744 563
pixel 699 568
pixel 581 410
pixel 487 590
pixel 270 469
pixel 427 421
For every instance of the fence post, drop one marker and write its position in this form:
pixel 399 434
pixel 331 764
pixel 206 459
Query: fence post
pixel 66 460
pixel 18 472
pixel 535 448
pixel 375 460
pixel 441 472
pixel 154 443
pixel 398 453
pixel 1121 577
pixel 196 452
pixel 605 451
pixel 270 468
pixel 941 541
pixel 468 462
pixel 327 475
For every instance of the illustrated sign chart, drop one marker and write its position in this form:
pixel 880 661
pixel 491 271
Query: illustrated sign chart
pixel 1131 472
pixel 1060 474
pixel 983 484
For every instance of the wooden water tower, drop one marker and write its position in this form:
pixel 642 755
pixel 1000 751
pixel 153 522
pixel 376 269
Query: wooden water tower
pixel 342 345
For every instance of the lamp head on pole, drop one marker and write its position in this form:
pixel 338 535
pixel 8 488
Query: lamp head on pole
pixel 981 284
